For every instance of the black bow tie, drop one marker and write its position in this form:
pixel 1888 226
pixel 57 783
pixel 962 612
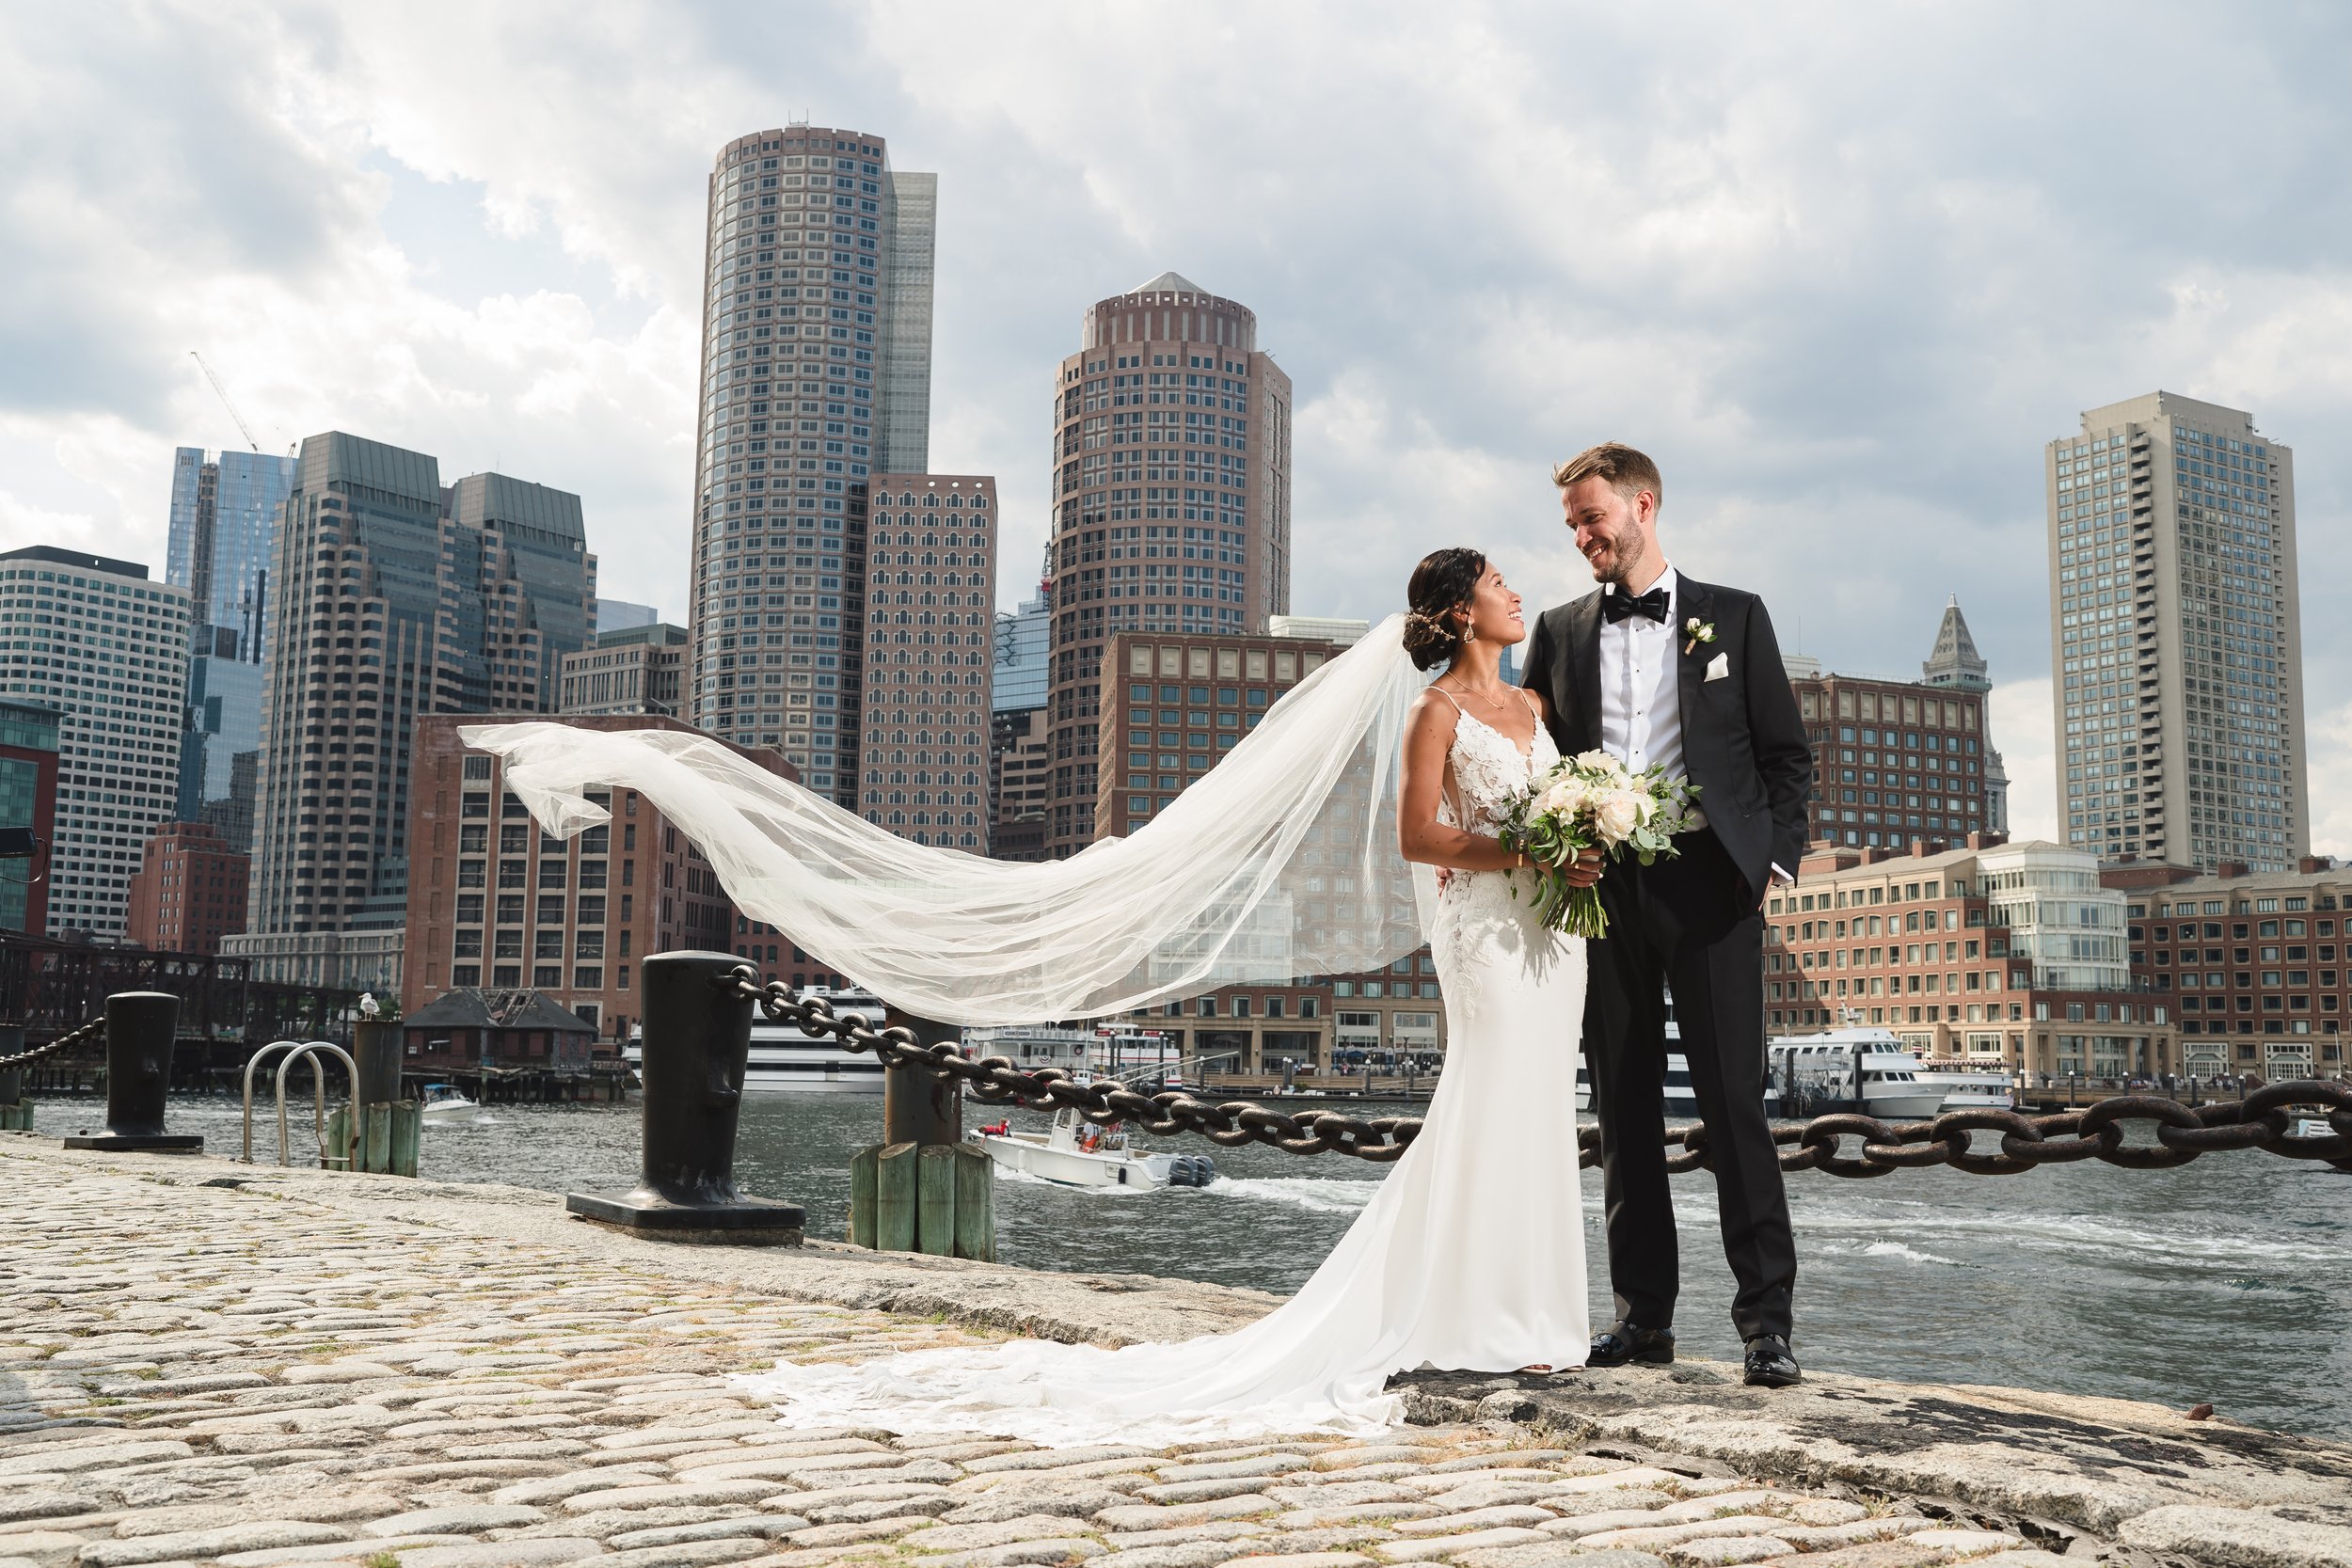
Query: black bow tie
pixel 1619 605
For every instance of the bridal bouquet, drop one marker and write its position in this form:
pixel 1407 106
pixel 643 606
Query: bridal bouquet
pixel 1587 802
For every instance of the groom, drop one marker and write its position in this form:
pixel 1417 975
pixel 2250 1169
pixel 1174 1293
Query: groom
pixel 1657 668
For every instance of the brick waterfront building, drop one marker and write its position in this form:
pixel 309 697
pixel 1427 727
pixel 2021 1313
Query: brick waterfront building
pixel 1997 955
pixel 188 892
pixel 495 904
pixel 2256 963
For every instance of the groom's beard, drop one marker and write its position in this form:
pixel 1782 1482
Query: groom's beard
pixel 1621 557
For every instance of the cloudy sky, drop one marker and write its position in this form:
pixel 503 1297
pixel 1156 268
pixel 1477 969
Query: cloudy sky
pixel 1843 270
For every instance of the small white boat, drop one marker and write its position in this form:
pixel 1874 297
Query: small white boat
pixel 1853 1069
pixel 446 1105
pixel 1076 1153
pixel 1968 1088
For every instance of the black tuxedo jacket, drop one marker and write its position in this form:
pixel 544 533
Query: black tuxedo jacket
pixel 1742 741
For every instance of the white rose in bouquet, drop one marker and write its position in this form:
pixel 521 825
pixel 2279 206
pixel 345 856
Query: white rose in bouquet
pixel 1564 799
pixel 1616 814
pixel 1599 761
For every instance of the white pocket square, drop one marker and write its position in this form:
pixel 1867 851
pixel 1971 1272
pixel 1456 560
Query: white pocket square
pixel 1719 668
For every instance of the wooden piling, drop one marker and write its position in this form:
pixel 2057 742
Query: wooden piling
pixel 975 1204
pixel 896 1196
pixel 935 1201
pixel 862 1179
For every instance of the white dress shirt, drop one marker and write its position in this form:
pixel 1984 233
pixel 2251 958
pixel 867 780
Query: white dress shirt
pixel 1640 693
pixel 1641 700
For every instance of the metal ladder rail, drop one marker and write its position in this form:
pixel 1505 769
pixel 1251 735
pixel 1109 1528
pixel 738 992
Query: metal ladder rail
pixel 350 1157
pixel 251 1062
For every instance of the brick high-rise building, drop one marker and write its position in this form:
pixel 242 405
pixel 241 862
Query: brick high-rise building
pixel 496 904
pixel 816 377
pixel 396 598
pixel 225 510
pixel 1173 706
pixel 1172 502
pixel 2176 636
pixel 110 650
pixel 930 612
pixel 189 892
pixel 1898 760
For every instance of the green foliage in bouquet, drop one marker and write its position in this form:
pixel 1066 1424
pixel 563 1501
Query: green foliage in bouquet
pixel 1582 803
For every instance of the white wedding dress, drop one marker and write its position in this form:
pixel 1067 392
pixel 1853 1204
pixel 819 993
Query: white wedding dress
pixel 1471 1257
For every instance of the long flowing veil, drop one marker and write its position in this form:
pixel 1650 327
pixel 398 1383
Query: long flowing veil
pixel 1281 863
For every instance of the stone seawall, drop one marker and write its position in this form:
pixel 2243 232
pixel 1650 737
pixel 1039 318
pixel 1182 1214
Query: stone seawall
pixel 202 1362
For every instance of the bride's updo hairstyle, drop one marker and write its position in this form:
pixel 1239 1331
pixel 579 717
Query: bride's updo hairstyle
pixel 1442 585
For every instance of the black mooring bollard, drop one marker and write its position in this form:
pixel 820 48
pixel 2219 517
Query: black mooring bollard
pixel 698 1035
pixel 919 1108
pixel 140 1029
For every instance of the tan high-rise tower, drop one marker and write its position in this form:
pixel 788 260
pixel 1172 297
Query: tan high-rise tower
pixel 1171 503
pixel 816 377
pixel 2175 637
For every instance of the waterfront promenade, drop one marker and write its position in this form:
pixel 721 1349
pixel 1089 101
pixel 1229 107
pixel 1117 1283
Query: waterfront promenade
pixel 202 1362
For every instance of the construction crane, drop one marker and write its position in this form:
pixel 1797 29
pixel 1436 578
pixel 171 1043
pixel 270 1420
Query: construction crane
pixel 246 429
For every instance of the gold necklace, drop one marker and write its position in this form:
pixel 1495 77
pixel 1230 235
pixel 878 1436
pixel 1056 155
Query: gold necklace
pixel 1491 702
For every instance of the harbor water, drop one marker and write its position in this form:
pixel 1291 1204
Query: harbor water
pixel 2227 1280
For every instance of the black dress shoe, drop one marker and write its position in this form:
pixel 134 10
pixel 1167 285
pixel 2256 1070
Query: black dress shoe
pixel 1770 1365
pixel 1623 1342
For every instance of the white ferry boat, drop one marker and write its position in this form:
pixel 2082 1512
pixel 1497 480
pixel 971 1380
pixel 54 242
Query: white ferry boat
pixel 1147 1059
pixel 1967 1089
pixel 786 1059
pixel 1817 1073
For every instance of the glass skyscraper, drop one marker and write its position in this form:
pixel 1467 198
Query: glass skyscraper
pixel 404 599
pixel 225 513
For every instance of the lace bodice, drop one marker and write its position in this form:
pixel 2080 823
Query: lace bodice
pixel 1483 911
pixel 1488 770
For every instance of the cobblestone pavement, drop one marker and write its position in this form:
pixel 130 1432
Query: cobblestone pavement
pixel 192 1373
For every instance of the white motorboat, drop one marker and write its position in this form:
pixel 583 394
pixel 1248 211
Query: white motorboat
pixel 786 1059
pixel 446 1105
pixel 1076 1153
pixel 1853 1069
pixel 1967 1089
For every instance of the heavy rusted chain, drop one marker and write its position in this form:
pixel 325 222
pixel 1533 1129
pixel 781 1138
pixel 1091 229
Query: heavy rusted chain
pixel 91 1030
pixel 2094 1131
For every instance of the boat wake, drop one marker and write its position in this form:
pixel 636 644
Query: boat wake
pixel 1295 1191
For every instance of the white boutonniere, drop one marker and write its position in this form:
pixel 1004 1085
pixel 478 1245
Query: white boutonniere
pixel 1697 631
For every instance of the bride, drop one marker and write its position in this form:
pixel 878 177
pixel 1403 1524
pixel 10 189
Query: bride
pixel 1471 1257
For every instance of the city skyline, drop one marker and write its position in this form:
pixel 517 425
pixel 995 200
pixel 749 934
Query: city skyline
pixel 1845 366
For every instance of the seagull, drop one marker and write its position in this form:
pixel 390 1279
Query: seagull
pixel 368 1006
